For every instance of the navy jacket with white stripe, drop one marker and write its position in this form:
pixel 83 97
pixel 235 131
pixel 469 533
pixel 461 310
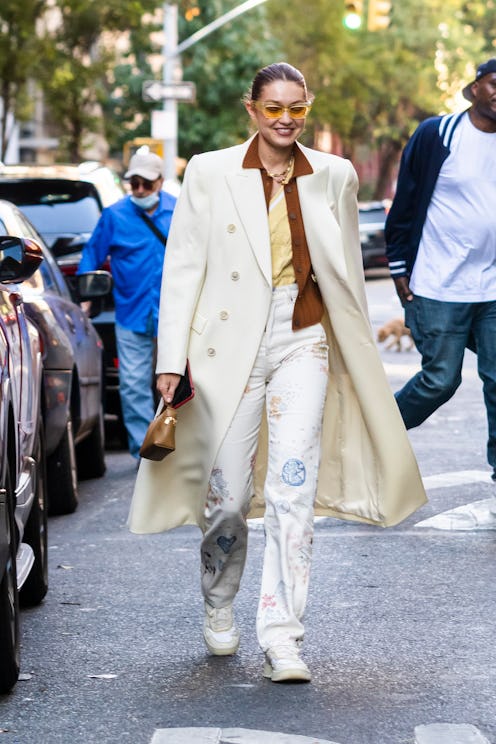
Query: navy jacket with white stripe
pixel 422 158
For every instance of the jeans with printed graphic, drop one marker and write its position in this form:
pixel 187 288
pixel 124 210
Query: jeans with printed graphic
pixel 442 331
pixel 289 378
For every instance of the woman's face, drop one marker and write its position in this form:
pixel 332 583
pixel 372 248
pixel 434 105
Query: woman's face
pixel 281 132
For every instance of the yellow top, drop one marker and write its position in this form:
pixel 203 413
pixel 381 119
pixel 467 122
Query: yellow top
pixel 280 241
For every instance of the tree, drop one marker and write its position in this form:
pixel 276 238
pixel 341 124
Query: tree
pixel 373 88
pixel 19 57
pixel 79 52
pixel 222 66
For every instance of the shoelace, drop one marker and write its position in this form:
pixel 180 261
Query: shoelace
pixel 221 617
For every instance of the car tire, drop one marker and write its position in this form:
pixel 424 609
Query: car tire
pixel 90 453
pixel 9 604
pixel 35 534
pixel 62 475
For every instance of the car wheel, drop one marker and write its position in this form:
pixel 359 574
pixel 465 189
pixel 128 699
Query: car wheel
pixel 90 453
pixel 9 604
pixel 62 475
pixel 35 534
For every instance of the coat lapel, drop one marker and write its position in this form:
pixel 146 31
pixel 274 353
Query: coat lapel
pixel 248 196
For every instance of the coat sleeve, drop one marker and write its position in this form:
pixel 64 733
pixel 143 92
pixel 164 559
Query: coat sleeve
pixel 399 222
pixel 184 269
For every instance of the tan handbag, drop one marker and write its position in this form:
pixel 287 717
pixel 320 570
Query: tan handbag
pixel 160 438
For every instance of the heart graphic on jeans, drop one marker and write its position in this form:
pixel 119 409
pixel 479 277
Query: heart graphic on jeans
pixel 226 543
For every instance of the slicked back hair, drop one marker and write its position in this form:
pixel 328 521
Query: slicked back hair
pixel 276 71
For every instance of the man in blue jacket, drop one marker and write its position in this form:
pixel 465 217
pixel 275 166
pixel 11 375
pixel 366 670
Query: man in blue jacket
pixel 133 233
pixel 441 246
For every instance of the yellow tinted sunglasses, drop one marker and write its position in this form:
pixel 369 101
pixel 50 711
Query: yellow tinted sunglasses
pixel 275 110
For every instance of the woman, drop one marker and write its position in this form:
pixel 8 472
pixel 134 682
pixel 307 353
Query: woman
pixel 263 292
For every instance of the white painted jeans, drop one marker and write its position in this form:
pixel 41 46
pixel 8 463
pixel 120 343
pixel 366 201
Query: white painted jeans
pixel 290 377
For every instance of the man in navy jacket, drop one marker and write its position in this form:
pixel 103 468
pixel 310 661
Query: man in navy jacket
pixel 441 246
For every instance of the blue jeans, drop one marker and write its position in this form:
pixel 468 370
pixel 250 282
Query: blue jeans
pixel 136 358
pixel 442 331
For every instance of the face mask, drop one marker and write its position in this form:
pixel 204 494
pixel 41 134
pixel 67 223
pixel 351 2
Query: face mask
pixel 146 202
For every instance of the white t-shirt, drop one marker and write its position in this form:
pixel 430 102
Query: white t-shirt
pixel 456 260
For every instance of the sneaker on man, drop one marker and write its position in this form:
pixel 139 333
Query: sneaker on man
pixel 283 664
pixel 219 630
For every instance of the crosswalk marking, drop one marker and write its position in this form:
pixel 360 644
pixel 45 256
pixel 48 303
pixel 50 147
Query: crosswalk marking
pixel 449 733
pixel 229 736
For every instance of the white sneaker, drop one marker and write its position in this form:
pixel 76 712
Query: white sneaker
pixel 219 630
pixel 283 664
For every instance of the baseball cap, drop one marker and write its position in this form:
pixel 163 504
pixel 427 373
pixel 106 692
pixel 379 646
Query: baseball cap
pixel 145 164
pixel 484 69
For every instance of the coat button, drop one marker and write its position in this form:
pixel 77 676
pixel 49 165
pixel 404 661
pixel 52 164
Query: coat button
pixel 235 276
pixel 211 352
pixel 223 315
pixel 231 228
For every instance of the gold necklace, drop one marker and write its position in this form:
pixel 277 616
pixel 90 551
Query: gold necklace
pixel 282 177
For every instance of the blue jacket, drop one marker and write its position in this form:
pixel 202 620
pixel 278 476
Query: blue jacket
pixel 422 158
pixel 136 258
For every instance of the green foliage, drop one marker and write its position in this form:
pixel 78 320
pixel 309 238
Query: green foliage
pixel 374 88
pixel 19 56
pixel 222 66
pixel 79 57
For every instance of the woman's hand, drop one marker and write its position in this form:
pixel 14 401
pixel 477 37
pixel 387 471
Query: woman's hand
pixel 167 383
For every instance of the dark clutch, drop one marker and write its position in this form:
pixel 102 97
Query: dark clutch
pixel 185 390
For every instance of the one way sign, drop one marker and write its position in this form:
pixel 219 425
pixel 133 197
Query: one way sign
pixel 154 90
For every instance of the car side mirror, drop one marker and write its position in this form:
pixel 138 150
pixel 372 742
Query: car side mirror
pixel 19 258
pixel 92 286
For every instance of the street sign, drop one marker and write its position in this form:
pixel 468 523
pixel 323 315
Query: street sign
pixel 154 90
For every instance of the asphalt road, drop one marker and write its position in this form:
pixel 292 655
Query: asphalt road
pixel 399 625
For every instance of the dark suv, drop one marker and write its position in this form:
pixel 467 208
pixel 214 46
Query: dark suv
pixel 64 203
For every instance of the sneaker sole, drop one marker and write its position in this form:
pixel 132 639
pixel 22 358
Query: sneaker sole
pixel 287 675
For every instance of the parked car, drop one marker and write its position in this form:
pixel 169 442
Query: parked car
pixel 23 523
pixel 72 368
pixel 372 217
pixel 64 203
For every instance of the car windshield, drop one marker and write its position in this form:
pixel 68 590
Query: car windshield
pixel 55 207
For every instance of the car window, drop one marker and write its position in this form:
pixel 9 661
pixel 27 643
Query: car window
pixel 372 215
pixel 55 206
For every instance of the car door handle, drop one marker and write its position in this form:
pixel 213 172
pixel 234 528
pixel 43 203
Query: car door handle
pixel 70 323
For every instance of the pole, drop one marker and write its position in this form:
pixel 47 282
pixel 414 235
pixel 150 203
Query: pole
pixel 171 74
pixel 172 69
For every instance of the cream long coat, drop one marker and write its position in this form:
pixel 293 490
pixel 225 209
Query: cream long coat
pixel 216 293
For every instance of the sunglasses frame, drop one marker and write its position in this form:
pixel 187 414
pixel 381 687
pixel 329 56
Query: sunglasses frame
pixel 262 107
pixel 145 182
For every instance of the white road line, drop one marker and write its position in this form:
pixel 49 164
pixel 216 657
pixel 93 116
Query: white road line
pixel 449 733
pixel 457 478
pixel 229 736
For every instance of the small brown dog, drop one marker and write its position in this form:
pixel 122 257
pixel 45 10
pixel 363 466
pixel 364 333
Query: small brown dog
pixel 395 329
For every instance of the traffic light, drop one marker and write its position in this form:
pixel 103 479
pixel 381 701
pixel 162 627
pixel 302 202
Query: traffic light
pixel 379 15
pixel 353 14
pixel 191 12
